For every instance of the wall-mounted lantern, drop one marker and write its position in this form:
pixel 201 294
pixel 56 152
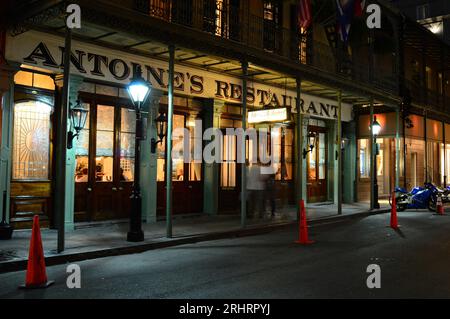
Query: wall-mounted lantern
pixel 161 130
pixel 311 141
pixel 78 117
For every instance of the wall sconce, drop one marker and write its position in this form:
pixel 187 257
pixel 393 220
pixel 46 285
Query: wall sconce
pixel 161 129
pixel 312 141
pixel 78 117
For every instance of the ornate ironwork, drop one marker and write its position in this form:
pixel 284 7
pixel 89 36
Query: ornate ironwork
pixel 56 11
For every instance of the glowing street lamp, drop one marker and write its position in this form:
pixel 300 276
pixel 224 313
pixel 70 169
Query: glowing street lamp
pixel 139 90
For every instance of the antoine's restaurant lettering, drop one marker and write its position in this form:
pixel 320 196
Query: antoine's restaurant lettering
pixel 92 64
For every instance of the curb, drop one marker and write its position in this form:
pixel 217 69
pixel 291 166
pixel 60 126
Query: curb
pixel 21 264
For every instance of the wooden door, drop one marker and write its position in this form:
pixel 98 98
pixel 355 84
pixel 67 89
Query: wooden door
pixel 317 167
pixel 105 163
pixel 187 177
pixel 229 176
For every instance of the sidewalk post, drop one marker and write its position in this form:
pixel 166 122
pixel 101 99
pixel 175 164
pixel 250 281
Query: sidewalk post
pixel 169 143
pixel 243 147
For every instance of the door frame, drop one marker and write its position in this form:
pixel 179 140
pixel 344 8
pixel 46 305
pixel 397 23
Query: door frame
pixel 322 198
pixel 118 104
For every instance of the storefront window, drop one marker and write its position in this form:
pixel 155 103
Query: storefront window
pixel 31 141
pixel 276 152
pixel 288 145
pixel 415 164
pixel 447 164
pixel 322 156
pixel 178 146
pixel 127 144
pixel 442 162
pixel 228 167
pixel 105 144
pixel 380 157
pixel 82 152
pixel 364 158
pixel 36 80
pixel 433 169
pixel 195 169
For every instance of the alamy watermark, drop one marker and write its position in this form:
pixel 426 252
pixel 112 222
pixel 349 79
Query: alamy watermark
pixel 73 20
pixel 219 149
pixel 374 279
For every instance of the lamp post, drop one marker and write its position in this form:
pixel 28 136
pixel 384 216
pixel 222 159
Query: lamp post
pixel 375 127
pixel 138 89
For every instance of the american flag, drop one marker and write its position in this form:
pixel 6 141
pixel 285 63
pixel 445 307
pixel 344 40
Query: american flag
pixel 304 14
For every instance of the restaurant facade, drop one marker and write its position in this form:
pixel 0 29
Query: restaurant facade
pixel 336 107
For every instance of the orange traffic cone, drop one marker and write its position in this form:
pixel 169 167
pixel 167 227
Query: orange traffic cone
pixel 439 206
pixel 36 274
pixel 303 227
pixel 394 222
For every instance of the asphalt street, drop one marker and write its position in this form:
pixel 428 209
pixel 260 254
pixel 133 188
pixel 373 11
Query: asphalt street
pixel 414 261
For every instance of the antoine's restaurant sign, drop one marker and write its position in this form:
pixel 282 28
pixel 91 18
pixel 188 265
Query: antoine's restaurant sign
pixel 95 62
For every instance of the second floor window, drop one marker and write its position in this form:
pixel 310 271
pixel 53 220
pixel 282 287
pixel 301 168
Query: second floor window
pixel 272 22
pixel 221 18
pixel 177 11
pixel 423 11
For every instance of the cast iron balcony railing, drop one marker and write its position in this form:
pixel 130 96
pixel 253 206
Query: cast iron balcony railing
pixel 425 96
pixel 225 19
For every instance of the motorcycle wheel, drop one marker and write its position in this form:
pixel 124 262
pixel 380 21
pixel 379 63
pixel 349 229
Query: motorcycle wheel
pixel 431 205
pixel 401 208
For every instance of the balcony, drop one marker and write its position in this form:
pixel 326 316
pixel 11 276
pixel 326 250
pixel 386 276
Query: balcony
pixel 424 96
pixel 230 23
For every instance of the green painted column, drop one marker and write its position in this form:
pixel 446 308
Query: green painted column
pixel 214 109
pixel 304 133
pixel 69 203
pixel 149 160
pixel 7 103
pixel 299 173
pixel 339 153
pixel 349 164
pixel 333 167
pixel 397 146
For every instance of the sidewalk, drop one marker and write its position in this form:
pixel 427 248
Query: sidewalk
pixel 90 241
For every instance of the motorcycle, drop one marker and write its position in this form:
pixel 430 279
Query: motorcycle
pixel 418 198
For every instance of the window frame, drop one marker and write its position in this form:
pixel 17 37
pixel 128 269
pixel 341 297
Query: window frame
pixel 41 99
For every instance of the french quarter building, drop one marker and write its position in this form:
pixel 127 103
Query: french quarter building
pixel 399 73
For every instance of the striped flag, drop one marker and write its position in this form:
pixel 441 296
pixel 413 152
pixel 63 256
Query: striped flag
pixel 347 9
pixel 359 7
pixel 304 14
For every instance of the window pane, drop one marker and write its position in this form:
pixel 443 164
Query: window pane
pixel 276 152
pixel 127 144
pixel 43 81
pixel 195 169
pixel 82 152
pixel 288 142
pixel 128 122
pixel 160 170
pixel 312 170
pixel 104 162
pixel 228 167
pixel 177 163
pixel 322 156
pixel 23 78
pixel 104 169
pixel 105 118
pixel 105 143
pixel 364 158
pixel 82 173
pixel 31 140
